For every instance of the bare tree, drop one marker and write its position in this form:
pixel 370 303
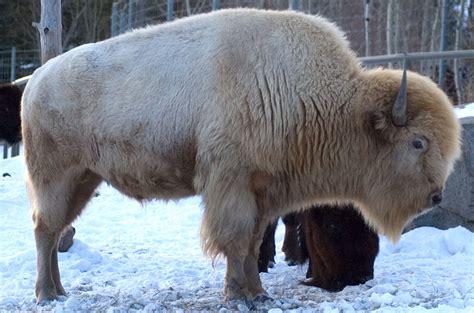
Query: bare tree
pixel 50 29
pixel 425 31
pixel 396 26
pixel 389 28
pixel 457 69
pixel 368 33
pixel 434 32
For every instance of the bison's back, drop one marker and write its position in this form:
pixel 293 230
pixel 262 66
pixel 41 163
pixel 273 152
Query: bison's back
pixel 143 106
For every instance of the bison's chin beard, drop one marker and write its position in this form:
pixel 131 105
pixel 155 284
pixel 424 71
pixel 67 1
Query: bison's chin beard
pixel 391 222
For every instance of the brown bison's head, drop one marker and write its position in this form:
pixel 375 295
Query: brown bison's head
pixel 413 140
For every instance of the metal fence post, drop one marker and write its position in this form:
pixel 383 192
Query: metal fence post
pixel 15 147
pixel 295 5
pixel 114 20
pixel 215 5
pixel 130 14
pixel 13 65
pixel 169 10
pixel 123 22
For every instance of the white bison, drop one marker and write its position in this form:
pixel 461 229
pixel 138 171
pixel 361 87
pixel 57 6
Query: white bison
pixel 260 112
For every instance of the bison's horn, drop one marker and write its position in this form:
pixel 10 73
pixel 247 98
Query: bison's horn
pixel 399 116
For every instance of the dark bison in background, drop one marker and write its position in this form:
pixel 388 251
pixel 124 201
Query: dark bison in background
pixel 340 246
pixel 10 123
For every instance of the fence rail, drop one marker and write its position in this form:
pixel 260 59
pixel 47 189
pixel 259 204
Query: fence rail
pixel 418 56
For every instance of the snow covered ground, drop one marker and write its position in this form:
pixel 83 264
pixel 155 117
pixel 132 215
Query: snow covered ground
pixel 129 257
pixel 465 110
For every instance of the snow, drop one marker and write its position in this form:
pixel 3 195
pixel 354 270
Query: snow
pixel 132 257
pixel 128 256
pixel 465 110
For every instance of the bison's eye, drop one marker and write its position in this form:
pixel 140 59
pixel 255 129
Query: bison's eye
pixel 418 144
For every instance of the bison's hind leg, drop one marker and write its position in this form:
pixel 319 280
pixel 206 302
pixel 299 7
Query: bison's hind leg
pixel 57 200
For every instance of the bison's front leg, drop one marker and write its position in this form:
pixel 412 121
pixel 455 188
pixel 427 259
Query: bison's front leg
pixel 242 277
pixel 229 227
pixel 251 260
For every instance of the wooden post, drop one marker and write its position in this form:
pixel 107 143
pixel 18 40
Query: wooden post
pixel 50 29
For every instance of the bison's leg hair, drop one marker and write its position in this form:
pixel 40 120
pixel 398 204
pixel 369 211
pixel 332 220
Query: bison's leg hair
pixel 57 202
pixel 251 260
pixel 229 226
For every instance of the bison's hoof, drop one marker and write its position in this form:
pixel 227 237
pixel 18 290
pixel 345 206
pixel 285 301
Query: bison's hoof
pixel 46 296
pixel 241 305
pixel 263 297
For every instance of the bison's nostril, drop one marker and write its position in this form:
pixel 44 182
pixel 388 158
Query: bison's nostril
pixel 436 198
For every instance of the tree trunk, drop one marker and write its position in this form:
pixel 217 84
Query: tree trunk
pixel 434 31
pixel 442 42
pixel 50 29
pixel 425 32
pixel 396 26
pixel 390 29
pixel 457 69
pixel 368 34
pixel 188 8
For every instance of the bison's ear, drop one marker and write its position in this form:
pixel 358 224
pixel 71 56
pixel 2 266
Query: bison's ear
pixel 379 124
pixel 378 121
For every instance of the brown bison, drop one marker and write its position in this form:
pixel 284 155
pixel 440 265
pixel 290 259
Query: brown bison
pixel 10 124
pixel 340 247
pixel 294 243
pixel 259 112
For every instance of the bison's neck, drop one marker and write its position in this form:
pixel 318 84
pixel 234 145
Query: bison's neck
pixel 329 159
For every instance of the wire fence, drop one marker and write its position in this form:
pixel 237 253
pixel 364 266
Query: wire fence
pixel 18 63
